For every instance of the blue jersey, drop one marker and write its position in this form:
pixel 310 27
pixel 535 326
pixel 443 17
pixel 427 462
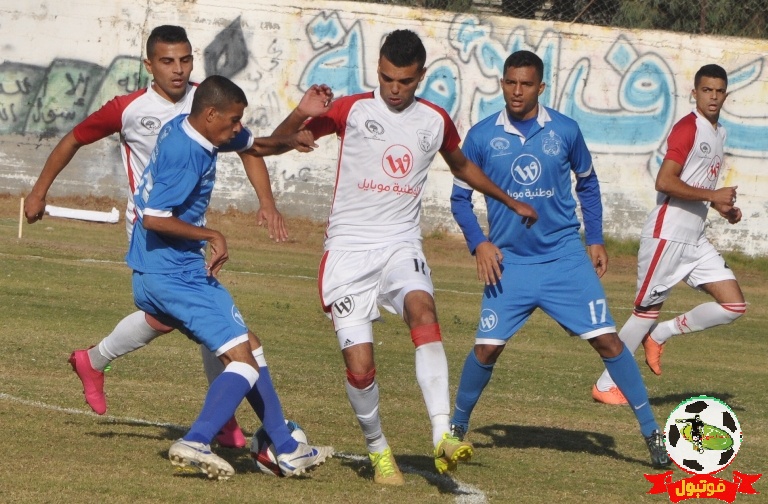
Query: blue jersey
pixel 178 182
pixel 535 169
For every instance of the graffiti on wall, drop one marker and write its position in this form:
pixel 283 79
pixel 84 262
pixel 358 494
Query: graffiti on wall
pixel 48 101
pixel 634 111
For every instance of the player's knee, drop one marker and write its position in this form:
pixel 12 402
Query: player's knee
pixel 156 324
pixel 429 333
pixel 362 381
pixel 488 354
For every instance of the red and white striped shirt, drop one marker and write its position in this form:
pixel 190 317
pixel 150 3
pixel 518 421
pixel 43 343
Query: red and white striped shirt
pixel 698 147
pixel 384 158
pixel 138 117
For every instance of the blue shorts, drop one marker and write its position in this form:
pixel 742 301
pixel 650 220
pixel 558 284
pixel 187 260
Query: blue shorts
pixel 566 289
pixel 194 303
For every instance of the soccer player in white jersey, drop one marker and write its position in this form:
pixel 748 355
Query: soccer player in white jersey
pixel 138 117
pixel 532 151
pixel 174 283
pixel 373 254
pixel 673 246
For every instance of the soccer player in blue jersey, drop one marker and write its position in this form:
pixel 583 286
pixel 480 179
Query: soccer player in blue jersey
pixel 530 151
pixel 173 282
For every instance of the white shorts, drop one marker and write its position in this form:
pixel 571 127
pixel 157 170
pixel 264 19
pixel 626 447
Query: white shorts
pixel 352 284
pixel 661 264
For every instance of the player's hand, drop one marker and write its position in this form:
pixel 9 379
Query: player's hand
pixel 302 141
pixel 599 257
pixel 728 212
pixel 219 254
pixel 526 211
pixel 269 217
pixel 488 257
pixel 316 101
pixel 724 196
pixel 34 208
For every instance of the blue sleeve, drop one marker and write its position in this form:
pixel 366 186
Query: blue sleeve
pixel 243 140
pixel 463 211
pixel 588 192
pixel 461 200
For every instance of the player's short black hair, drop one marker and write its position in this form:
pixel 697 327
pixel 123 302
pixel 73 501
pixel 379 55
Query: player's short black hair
pixel 168 34
pixel 404 48
pixel 711 70
pixel 519 59
pixel 218 92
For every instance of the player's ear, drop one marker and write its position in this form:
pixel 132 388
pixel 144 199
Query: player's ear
pixel 148 65
pixel 542 86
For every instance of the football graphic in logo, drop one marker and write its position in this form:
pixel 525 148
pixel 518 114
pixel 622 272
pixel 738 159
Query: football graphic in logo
pixel 703 435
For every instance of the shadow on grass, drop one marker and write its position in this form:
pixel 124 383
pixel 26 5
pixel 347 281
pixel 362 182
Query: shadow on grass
pixel 553 438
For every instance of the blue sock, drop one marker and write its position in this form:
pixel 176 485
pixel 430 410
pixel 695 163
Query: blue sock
pixel 625 373
pixel 474 377
pixel 224 396
pixel 265 402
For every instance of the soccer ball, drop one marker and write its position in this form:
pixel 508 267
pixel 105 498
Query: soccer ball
pixel 263 451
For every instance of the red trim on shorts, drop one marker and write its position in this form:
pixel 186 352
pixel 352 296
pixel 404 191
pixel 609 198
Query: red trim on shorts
pixel 649 274
pixel 660 218
pixel 651 315
pixel 429 333
pixel 361 381
pixel 326 308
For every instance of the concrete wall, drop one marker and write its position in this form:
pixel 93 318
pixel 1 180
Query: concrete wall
pixel 62 60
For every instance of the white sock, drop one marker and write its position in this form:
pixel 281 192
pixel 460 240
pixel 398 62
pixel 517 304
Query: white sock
pixel 432 375
pixel 365 403
pixel 131 333
pixel 632 334
pixel 701 317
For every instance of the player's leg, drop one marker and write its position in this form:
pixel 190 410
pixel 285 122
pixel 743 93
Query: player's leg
pixel 573 295
pixel 342 272
pixel 406 289
pixel 503 311
pixel 660 265
pixel 712 275
pixel 131 333
pixel 231 436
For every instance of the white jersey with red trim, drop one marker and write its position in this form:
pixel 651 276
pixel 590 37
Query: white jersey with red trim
pixel 698 147
pixel 138 117
pixel 384 158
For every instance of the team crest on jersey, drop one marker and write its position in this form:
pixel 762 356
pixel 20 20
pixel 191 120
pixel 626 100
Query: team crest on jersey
pixel 237 317
pixel 343 307
pixel 526 169
pixel 488 320
pixel 151 124
pixel 375 128
pixel 397 161
pixel 499 144
pixel 425 139
pixel 550 144
pixel 705 148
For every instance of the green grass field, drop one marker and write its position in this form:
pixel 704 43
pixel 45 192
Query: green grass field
pixel 539 437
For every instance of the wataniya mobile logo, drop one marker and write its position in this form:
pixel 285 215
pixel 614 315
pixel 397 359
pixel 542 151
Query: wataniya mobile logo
pixel 703 436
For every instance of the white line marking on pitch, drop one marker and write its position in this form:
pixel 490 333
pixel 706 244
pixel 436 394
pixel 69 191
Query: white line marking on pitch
pixel 465 493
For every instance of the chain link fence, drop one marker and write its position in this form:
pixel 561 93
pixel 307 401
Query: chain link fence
pixel 740 18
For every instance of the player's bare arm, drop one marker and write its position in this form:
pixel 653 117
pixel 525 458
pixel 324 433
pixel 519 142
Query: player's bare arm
pixel 267 215
pixel 315 102
pixel 59 158
pixel 177 228
pixel 467 171
pixel 599 257
pixel 488 257
pixel 668 181
pixel 302 141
